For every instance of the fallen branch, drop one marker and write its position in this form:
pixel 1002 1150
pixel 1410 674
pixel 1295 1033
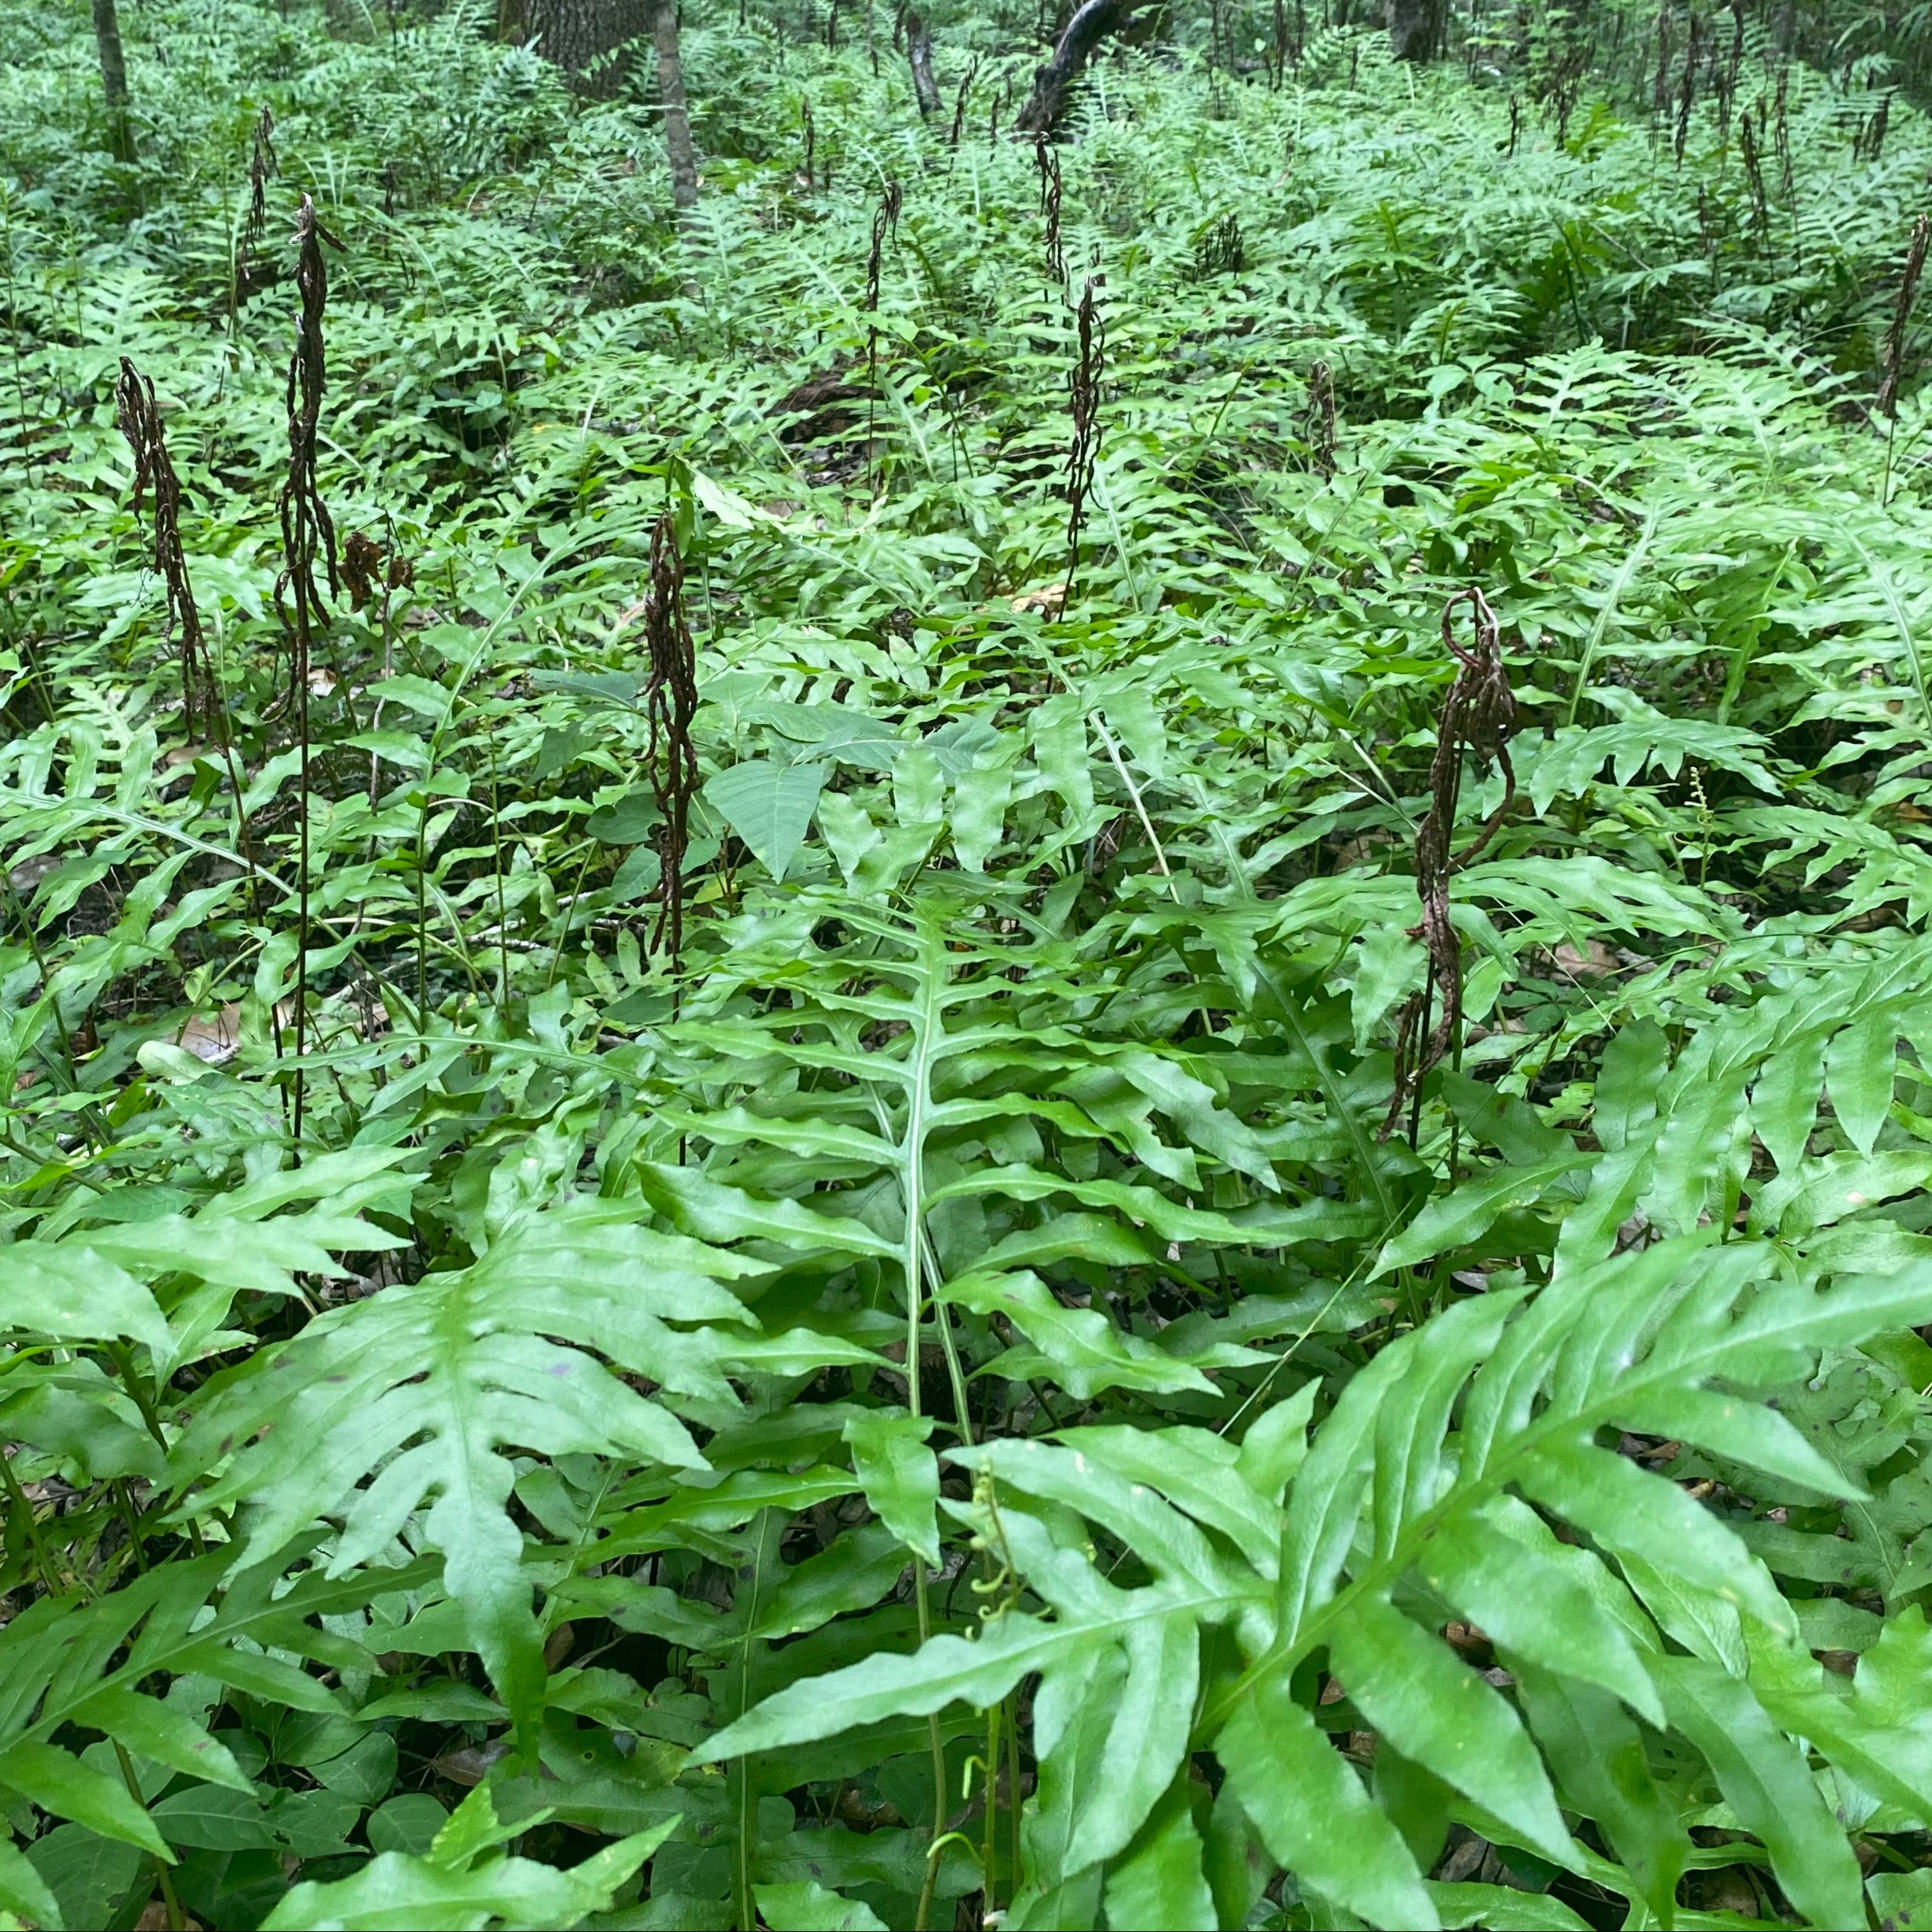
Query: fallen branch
pixel 1091 24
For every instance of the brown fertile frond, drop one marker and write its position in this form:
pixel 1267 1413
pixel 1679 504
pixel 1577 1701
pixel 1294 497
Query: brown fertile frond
pixel 1478 717
pixel 1083 399
pixel 670 699
pixel 138 415
pixel 1318 422
pixel 1893 362
pixel 261 166
pixel 307 532
pixel 1048 162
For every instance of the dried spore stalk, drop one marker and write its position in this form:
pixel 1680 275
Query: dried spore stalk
pixel 138 415
pixel 1318 427
pixel 1892 362
pixel 1083 378
pixel 670 699
pixel 308 538
pixel 1477 718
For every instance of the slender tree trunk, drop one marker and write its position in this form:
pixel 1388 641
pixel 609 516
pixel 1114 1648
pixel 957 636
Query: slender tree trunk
pixel 113 78
pixel 578 34
pixel 919 55
pixel 677 148
pixel 1091 24
pixel 1416 29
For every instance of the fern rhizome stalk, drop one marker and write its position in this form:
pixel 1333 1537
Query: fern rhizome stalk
pixel 308 537
pixel 670 701
pixel 1478 717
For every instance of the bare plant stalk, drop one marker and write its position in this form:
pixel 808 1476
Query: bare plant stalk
pixel 261 166
pixel 959 104
pixel 1319 420
pixel 307 535
pixel 1754 175
pixel 670 699
pixel 1051 187
pixel 1478 716
pixel 1892 363
pixel 885 221
pixel 1084 450
pixel 1687 98
pixel 138 417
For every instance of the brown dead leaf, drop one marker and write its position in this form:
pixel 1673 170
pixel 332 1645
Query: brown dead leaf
pixel 1048 599
pixel 212 1039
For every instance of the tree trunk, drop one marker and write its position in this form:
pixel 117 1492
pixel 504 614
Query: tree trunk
pixel 580 34
pixel 113 78
pixel 919 55
pixel 1091 24
pixel 677 148
pixel 1416 29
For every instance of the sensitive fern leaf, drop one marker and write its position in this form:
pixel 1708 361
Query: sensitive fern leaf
pixel 1414 1509
pixel 376 1408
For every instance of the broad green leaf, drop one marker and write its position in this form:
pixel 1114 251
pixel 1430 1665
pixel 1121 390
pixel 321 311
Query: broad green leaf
pixel 1602 1770
pixel 1276 1444
pixel 1784 1099
pixel 1433 1708
pixel 152 1729
pixel 948 1668
pixel 1501 1909
pixel 1629 1511
pixel 73 1294
pixel 1859 1066
pixel 1741 1430
pixel 807 1906
pixel 1079 1348
pixel 456 1366
pixel 24 1892
pixel 900 1475
pixel 1535 1609
pixel 769 806
pixel 1456 1219
pixel 1314 1815
pixel 1903 1901
pixel 1627 1080
pixel 1158 1882
pixel 68 1789
pixel 1765 1781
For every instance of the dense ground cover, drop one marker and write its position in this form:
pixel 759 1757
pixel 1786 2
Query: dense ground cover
pixel 507 1420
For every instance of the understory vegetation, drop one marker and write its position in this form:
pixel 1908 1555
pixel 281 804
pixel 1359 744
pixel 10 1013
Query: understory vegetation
pixel 1039 1034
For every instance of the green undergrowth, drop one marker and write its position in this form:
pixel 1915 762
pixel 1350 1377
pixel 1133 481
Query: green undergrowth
pixel 959 1395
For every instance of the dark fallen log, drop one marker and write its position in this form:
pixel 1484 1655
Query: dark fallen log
pixel 1091 24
